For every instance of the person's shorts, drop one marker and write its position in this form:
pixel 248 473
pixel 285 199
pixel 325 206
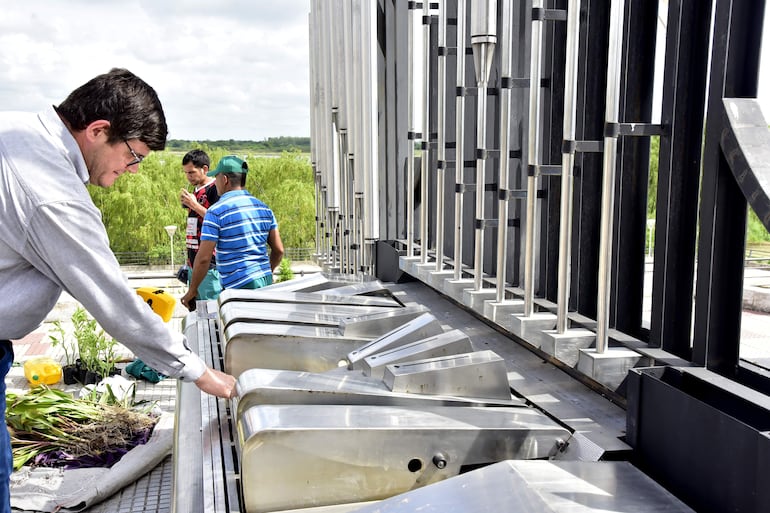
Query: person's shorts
pixel 210 287
pixel 264 281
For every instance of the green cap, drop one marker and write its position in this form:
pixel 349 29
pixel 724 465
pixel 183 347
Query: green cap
pixel 229 164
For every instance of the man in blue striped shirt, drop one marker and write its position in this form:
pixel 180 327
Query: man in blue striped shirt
pixel 240 227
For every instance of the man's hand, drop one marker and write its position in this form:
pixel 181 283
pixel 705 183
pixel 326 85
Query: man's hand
pixel 188 300
pixel 217 383
pixel 188 200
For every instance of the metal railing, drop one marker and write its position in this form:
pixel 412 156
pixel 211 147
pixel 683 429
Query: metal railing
pixel 146 258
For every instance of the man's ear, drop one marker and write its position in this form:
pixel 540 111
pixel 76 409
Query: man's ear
pixel 97 128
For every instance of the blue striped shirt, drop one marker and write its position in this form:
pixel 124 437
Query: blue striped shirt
pixel 239 224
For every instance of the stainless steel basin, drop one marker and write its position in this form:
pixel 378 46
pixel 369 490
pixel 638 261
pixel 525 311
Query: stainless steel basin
pixel 300 456
pixel 272 386
pixel 539 487
pixel 285 346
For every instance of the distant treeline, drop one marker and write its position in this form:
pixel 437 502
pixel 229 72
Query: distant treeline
pixel 269 145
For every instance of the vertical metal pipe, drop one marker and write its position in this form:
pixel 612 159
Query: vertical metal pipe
pixel 459 140
pixel 425 159
pixel 506 40
pixel 411 137
pixel 533 157
pixel 369 129
pixel 567 164
pixel 483 40
pixel 441 150
pixel 615 57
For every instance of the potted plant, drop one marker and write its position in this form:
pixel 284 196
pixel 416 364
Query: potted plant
pixel 95 347
pixel 59 338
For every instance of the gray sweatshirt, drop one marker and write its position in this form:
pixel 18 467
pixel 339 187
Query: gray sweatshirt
pixel 52 238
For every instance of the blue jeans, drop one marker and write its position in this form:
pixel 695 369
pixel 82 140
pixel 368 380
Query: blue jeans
pixel 6 458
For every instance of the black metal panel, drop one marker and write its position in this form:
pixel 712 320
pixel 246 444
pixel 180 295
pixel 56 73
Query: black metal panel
pixel 684 93
pixel 590 105
pixel 392 125
pixel 638 70
pixel 719 287
pixel 554 56
pixel 682 437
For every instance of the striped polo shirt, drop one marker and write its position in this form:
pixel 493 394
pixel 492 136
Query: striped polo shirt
pixel 239 224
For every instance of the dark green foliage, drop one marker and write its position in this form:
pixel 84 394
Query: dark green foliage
pixel 137 207
pixel 269 145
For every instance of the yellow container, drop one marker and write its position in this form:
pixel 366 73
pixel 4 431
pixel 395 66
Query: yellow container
pixel 161 303
pixel 42 371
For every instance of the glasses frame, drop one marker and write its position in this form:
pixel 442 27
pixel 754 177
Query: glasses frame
pixel 137 158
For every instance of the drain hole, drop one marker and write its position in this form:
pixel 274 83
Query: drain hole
pixel 414 465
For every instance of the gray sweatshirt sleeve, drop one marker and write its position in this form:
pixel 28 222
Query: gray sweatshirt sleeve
pixel 67 242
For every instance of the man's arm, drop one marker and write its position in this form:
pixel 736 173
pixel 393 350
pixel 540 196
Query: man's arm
pixel 276 248
pixel 200 268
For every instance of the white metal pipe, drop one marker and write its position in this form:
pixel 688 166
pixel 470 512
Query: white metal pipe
pixel 425 159
pixel 483 41
pixel 533 157
pixel 614 65
pixel 412 138
pixel 567 164
pixel 369 130
pixel 459 141
pixel 441 149
pixel 506 41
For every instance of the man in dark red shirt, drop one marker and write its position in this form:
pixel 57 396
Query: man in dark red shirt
pixel 196 164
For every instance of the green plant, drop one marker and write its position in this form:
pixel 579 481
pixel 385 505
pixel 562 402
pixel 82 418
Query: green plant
pixel 284 271
pixel 96 348
pixel 59 338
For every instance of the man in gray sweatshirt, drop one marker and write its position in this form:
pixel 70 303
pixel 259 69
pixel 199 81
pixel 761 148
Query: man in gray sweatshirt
pixel 52 237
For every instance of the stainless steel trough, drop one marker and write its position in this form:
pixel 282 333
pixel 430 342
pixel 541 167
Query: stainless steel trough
pixel 477 374
pixel 423 326
pixel 290 313
pixel 539 487
pixel 300 456
pixel 272 386
pixel 444 344
pixel 284 346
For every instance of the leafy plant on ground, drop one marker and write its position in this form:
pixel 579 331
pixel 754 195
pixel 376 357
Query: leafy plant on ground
pixel 284 271
pixel 50 426
pixel 59 338
pixel 97 350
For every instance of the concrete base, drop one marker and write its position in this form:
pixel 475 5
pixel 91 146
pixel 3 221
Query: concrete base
pixel 500 312
pixel 408 263
pixel 474 299
pixel 566 346
pixel 455 288
pixel 531 328
pixel 436 279
pixel 424 270
pixel 609 368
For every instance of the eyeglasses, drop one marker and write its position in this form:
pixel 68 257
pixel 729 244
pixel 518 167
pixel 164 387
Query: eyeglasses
pixel 137 158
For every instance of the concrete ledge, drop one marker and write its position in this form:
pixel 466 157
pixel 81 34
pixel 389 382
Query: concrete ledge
pixel 609 368
pixel 500 312
pixel 530 328
pixel 474 299
pixel 566 346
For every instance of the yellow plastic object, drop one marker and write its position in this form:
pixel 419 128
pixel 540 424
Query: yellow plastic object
pixel 42 371
pixel 161 303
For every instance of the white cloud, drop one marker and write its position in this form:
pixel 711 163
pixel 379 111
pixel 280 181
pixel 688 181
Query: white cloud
pixel 233 69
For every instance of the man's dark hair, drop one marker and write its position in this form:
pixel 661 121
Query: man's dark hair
pixel 199 158
pixel 130 105
pixel 237 179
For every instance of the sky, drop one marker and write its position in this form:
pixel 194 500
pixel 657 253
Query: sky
pixel 223 69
